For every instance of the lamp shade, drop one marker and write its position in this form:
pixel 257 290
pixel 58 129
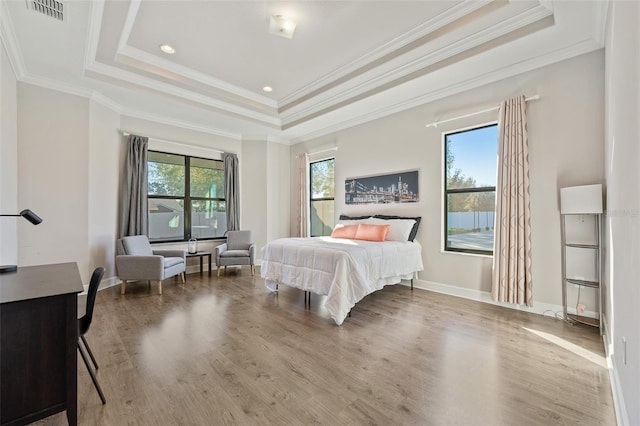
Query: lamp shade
pixel 584 199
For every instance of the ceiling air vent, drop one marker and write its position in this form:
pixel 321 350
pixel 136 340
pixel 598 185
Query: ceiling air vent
pixel 52 8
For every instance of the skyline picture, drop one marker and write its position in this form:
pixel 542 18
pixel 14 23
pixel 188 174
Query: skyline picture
pixel 382 189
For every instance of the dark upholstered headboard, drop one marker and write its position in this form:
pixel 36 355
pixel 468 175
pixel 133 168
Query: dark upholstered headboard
pixel 414 229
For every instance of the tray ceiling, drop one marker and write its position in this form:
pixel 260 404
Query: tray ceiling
pixel 348 61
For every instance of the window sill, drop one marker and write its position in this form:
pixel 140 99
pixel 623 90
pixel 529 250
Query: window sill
pixel 173 242
pixel 487 256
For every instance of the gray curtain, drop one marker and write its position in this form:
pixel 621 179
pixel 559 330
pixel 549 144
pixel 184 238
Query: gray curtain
pixel 231 190
pixel 133 189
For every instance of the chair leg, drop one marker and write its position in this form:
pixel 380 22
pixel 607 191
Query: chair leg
pixel 123 286
pixel 88 348
pixel 253 270
pixel 182 277
pixel 92 374
pixel 160 287
pixel 218 271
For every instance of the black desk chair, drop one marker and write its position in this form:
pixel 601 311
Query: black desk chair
pixel 85 322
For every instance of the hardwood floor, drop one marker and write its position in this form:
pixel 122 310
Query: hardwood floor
pixel 227 351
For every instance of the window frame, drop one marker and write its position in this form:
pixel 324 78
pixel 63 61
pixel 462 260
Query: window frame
pixel 470 190
pixel 187 198
pixel 311 199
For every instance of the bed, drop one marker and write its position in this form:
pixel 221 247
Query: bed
pixel 344 269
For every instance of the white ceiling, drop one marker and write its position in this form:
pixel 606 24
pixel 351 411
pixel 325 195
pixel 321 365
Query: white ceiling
pixel 348 62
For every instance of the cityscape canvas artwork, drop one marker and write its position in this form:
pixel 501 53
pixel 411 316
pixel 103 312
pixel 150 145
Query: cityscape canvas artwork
pixel 390 188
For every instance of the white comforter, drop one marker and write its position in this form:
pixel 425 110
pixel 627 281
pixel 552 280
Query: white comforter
pixel 343 270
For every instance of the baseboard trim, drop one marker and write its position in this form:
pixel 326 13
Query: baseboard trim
pixel 622 418
pixel 106 283
pixel 539 308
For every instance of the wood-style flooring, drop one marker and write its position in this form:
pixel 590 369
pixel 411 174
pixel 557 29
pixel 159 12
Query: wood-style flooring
pixel 227 351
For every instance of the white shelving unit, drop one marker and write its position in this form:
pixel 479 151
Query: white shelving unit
pixel 581 223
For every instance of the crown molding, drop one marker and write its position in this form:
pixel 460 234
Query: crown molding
pixel 129 21
pixel 601 14
pixel 59 86
pixel 7 33
pixel 159 119
pixel 450 15
pixel 575 49
pixel 127 51
pixel 96 10
pixel 341 97
pixel 114 73
pixel 106 102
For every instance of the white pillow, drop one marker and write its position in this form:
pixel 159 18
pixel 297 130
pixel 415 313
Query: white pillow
pixel 347 222
pixel 399 229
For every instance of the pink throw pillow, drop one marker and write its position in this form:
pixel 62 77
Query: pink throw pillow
pixel 345 231
pixel 372 232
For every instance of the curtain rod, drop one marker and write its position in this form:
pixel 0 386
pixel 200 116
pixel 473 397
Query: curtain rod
pixel 436 123
pixel 178 143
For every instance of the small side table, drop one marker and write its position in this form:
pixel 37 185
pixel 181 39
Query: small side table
pixel 201 255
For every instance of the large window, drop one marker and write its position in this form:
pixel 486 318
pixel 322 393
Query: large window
pixel 322 197
pixel 470 189
pixel 186 197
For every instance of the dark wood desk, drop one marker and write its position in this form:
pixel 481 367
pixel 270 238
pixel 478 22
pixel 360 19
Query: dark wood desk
pixel 38 337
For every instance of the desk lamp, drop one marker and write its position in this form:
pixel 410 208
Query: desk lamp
pixel 31 217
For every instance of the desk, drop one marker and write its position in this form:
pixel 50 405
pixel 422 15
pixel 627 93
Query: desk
pixel 201 254
pixel 39 337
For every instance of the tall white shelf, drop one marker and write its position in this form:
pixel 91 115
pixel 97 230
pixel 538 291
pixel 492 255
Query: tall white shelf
pixel 581 223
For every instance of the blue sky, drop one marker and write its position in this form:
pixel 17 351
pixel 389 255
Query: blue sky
pixel 476 154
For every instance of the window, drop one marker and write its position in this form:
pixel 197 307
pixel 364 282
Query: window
pixel 186 197
pixel 470 189
pixel 321 212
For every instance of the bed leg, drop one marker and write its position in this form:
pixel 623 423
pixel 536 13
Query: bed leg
pixel 349 314
pixel 307 299
pixel 411 284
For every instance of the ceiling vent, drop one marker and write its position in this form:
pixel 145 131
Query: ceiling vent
pixel 52 8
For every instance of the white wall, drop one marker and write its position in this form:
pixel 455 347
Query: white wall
pixel 8 161
pixel 565 148
pixel 69 160
pixel 104 157
pixel 53 152
pixel 623 205
pixel 253 181
pixel 278 191
pixel 264 180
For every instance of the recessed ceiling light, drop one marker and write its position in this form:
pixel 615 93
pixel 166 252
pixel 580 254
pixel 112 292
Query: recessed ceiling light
pixel 267 89
pixel 281 26
pixel 168 49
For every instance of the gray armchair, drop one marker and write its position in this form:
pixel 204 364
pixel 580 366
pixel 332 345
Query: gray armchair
pixel 135 260
pixel 238 250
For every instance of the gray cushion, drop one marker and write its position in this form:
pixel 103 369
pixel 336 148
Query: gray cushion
pixel 170 261
pixel 235 253
pixel 238 240
pixel 137 245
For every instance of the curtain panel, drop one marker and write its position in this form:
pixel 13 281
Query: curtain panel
pixel 303 195
pixel 133 189
pixel 231 190
pixel 511 281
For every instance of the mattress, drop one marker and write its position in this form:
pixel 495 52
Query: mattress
pixel 344 270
